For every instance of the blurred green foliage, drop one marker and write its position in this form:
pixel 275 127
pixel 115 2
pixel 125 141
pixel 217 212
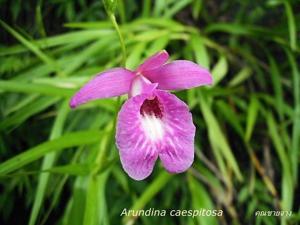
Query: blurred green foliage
pixel 61 166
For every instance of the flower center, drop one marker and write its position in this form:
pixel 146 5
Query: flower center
pixel 152 107
pixel 152 112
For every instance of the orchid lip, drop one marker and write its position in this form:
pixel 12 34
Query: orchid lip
pixel 155 125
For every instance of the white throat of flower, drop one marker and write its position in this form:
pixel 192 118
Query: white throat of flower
pixel 153 127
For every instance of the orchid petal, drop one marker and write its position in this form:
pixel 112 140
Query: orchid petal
pixel 137 153
pixel 177 148
pixel 154 61
pixel 108 84
pixel 178 75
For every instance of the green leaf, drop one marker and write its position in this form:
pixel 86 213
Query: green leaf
pixel 291 25
pixel 149 35
pixel 95 207
pixel 20 104
pixel 197 7
pixel 146 8
pixel 66 141
pixel 277 86
pixel 238 29
pixel 27 111
pixel 32 47
pixel 239 78
pixel 76 205
pixel 294 153
pixel 160 181
pixel 154 23
pixel 134 58
pixel 287 181
pixel 200 51
pixel 241 29
pixel 88 53
pixel 81 37
pixel 176 8
pixel 39 19
pixel 231 116
pixel 48 162
pixel 251 117
pixel 158 45
pixel 71 169
pixel 25 87
pixel 219 70
pixel 218 139
pixel 201 200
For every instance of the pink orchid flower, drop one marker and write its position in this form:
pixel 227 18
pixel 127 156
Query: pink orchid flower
pixel 152 123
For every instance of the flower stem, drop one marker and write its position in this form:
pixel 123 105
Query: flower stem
pixel 107 141
pixel 116 26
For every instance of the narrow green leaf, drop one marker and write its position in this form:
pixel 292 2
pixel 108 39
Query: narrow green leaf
pixel 66 141
pixel 48 162
pixel 134 58
pixel 239 78
pixel 159 7
pixel 28 99
pixel 158 45
pixel 218 139
pixel 287 179
pixel 251 117
pixel 24 87
pixel 121 178
pixel 201 200
pixel 277 86
pixel 176 8
pixel 168 24
pixel 32 47
pixel 146 8
pixel 87 53
pixel 219 70
pixel 200 51
pixel 241 29
pixel 152 189
pixel 276 138
pixel 63 82
pixel 149 35
pixel 238 29
pixel 196 8
pixel 27 111
pixel 294 153
pixel 76 205
pixel 82 36
pixel 291 24
pixel 39 19
pixel 102 26
pixel 230 116
pixel 91 202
